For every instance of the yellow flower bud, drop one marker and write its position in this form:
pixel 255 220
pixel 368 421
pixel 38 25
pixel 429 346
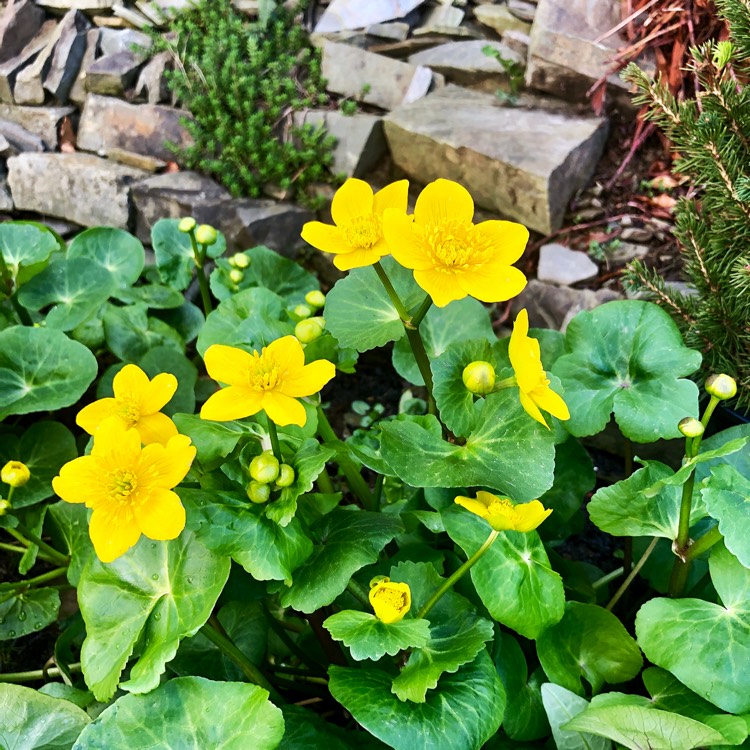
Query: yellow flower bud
pixel 15 474
pixel 206 235
pixel 479 377
pixel 286 476
pixel 302 311
pixel 258 493
pixel 502 515
pixel 390 601
pixel 690 427
pixel 309 330
pixel 240 260
pixel 4 507
pixel 721 386
pixel 315 298
pixel 236 275
pixel 264 468
pixel 187 224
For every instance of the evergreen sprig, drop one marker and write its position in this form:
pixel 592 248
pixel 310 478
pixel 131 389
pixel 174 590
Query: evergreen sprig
pixel 711 137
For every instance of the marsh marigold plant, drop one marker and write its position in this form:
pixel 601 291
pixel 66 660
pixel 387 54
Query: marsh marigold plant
pixel 390 600
pixel 502 514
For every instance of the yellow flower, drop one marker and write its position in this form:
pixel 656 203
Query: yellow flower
pixel 271 380
pixel 452 257
pixel 15 474
pixel 502 515
pixel 357 239
pixel 390 601
pixel 128 487
pixel 137 403
pixel 532 381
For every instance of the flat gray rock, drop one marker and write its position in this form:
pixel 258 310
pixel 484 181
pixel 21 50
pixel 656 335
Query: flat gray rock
pixel 123 40
pixel 524 164
pixel 373 79
pixel 80 188
pixel 77 4
pixel 19 24
pixel 355 14
pixel 395 30
pixel 78 92
pixel 114 74
pixel 561 265
pixel 19 139
pixel 500 19
pixel 41 121
pixel 10 69
pixel 108 122
pixel 152 82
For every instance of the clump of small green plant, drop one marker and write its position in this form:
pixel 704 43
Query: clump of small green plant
pixel 242 82
pixel 515 72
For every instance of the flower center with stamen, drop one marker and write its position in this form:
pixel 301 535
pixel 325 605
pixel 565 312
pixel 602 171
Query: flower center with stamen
pixel 454 244
pixel 264 375
pixel 121 484
pixel 363 231
pixel 503 507
pixel 127 409
pixel 391 597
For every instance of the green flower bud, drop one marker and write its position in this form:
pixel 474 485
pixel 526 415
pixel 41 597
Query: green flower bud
pixel 206 235
pixel 15 474
pixel 286 476
pixel 4 507
pixel 690 427
pixel 240 260
pixel 302 311
pixel 309 330
pixel 264 468
pixel 479 377
pixel 315 298
pixel 259 493
pixel 721 386
pixel 236 275
pixel 187 224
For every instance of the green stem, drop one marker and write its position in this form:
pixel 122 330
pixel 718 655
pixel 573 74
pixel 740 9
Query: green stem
pixel 292 645
pixel 36 581
pixel 712 404
pixel 378 491
pixel 27 537
pixel 274 435
pixel 604 580
pixel 358 593
pixel 392 293
pixel 633 573
pixel 627 549
pixel 448 585
pixel 249 669
pixel 23 314
pixel 698 547
pixel 13 548
pixel 356 483
pixel 325 484
pixel 37 674
pixel 421 312
pixel 300 674
pixel 199 257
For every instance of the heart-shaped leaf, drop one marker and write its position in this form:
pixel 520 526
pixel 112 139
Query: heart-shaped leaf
pixel 116 250
pixel 726 494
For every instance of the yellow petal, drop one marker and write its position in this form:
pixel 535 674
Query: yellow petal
pixel 162 516
pixel 158 393
pixel 112 534
pixel 325 237
pixel 486 497
pixel 227 364
pixel 395 195
pixel 518 351
pixel 354 198
pixel 444 200
pixel 532 514
pixel 288 355
pixel 360 257
pixel 390 601
pixel 79 481
pixel 113 437
pixel 404 240
pixel 531 408
pixel 166 466
pixel 91 416
pixel 231 403
pixel 442 286
pixel 130 383
pixel 551 402
pixel 283 410
pixel 156 428
pixel 491 282
pixel 475 506
pixel 310 379
pixel 507 238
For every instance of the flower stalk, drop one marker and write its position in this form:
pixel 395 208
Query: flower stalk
pixel 9 284
pixel 199 258
pixel 26 537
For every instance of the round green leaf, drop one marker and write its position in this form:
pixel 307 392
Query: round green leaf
pixel 42 370
pixel 24 244
pixel 305 729
pixel 164 591
pixel 44 448
pixel 442 326
pixel 188 713
pixel 369 638
pixel 462 713
pixel 249 320
pixel 705 645
pixel 230 525
pixel 27 612
pixel 154 296
pixel 507 451
pixel 726 494
pixel 71 522
pixel 531 597
pixel 359 312
pixel 116 250
pixel 165 359
pixel 350 539
pixel 561 706
pixel 31 720
pixel 627 357
pixel 588 642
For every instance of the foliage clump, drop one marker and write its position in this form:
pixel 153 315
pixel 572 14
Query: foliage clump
pixel 242 82
pixel 711 136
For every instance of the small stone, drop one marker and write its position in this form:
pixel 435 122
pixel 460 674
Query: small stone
pixel 41 121
pixel 395 30
pixel 522 9
pixel 624 252
pixel 448 32
pixel 442 16
pixel 160 12
pixel 373 79
pixel 132 16
pixel 146 163
pixel 124 40
pixel 10 69
pixel 635 234
pixel 250 8
pixel 518 42
pixel 561 265
pixel 19 25
pixel 355 14
pixel 6 199
pixel 152 82
pixel 19 139
pixel 77 187
pixel 77 4
pixel 110 22
pixel 500 19
pixel 114 74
